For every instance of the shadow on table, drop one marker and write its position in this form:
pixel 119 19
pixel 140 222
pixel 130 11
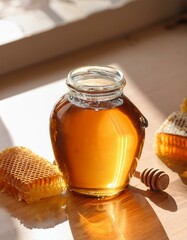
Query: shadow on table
pixel 128 216
pixel 46 213
pixel 8 228
pixel 160 198
pixel 5 137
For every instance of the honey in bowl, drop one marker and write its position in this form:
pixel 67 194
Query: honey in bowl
pixel 96 132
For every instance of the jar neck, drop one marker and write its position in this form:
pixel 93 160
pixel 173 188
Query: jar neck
pixel 95 84
pixel 95 96
pixel 95 102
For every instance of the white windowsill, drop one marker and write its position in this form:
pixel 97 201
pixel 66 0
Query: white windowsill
pixel 61 27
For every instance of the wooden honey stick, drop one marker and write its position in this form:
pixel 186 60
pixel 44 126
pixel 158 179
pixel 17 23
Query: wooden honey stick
pixel 155 179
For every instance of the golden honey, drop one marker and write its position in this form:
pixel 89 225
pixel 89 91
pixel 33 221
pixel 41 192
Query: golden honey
pixel 97 135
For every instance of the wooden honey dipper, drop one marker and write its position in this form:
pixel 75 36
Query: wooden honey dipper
pixel 155 179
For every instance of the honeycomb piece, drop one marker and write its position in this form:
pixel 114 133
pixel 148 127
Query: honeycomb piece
pixel 28 176
pixel 171 138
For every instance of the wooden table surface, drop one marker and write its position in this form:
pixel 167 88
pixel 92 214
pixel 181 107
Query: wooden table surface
pixel 154 63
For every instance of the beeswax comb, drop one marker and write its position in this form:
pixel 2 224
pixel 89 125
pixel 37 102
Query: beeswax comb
pixel 27 176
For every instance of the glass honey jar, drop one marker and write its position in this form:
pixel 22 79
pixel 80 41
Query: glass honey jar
pixel 97 133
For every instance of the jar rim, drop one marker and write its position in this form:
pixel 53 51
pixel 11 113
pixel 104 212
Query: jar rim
pixel 96 79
